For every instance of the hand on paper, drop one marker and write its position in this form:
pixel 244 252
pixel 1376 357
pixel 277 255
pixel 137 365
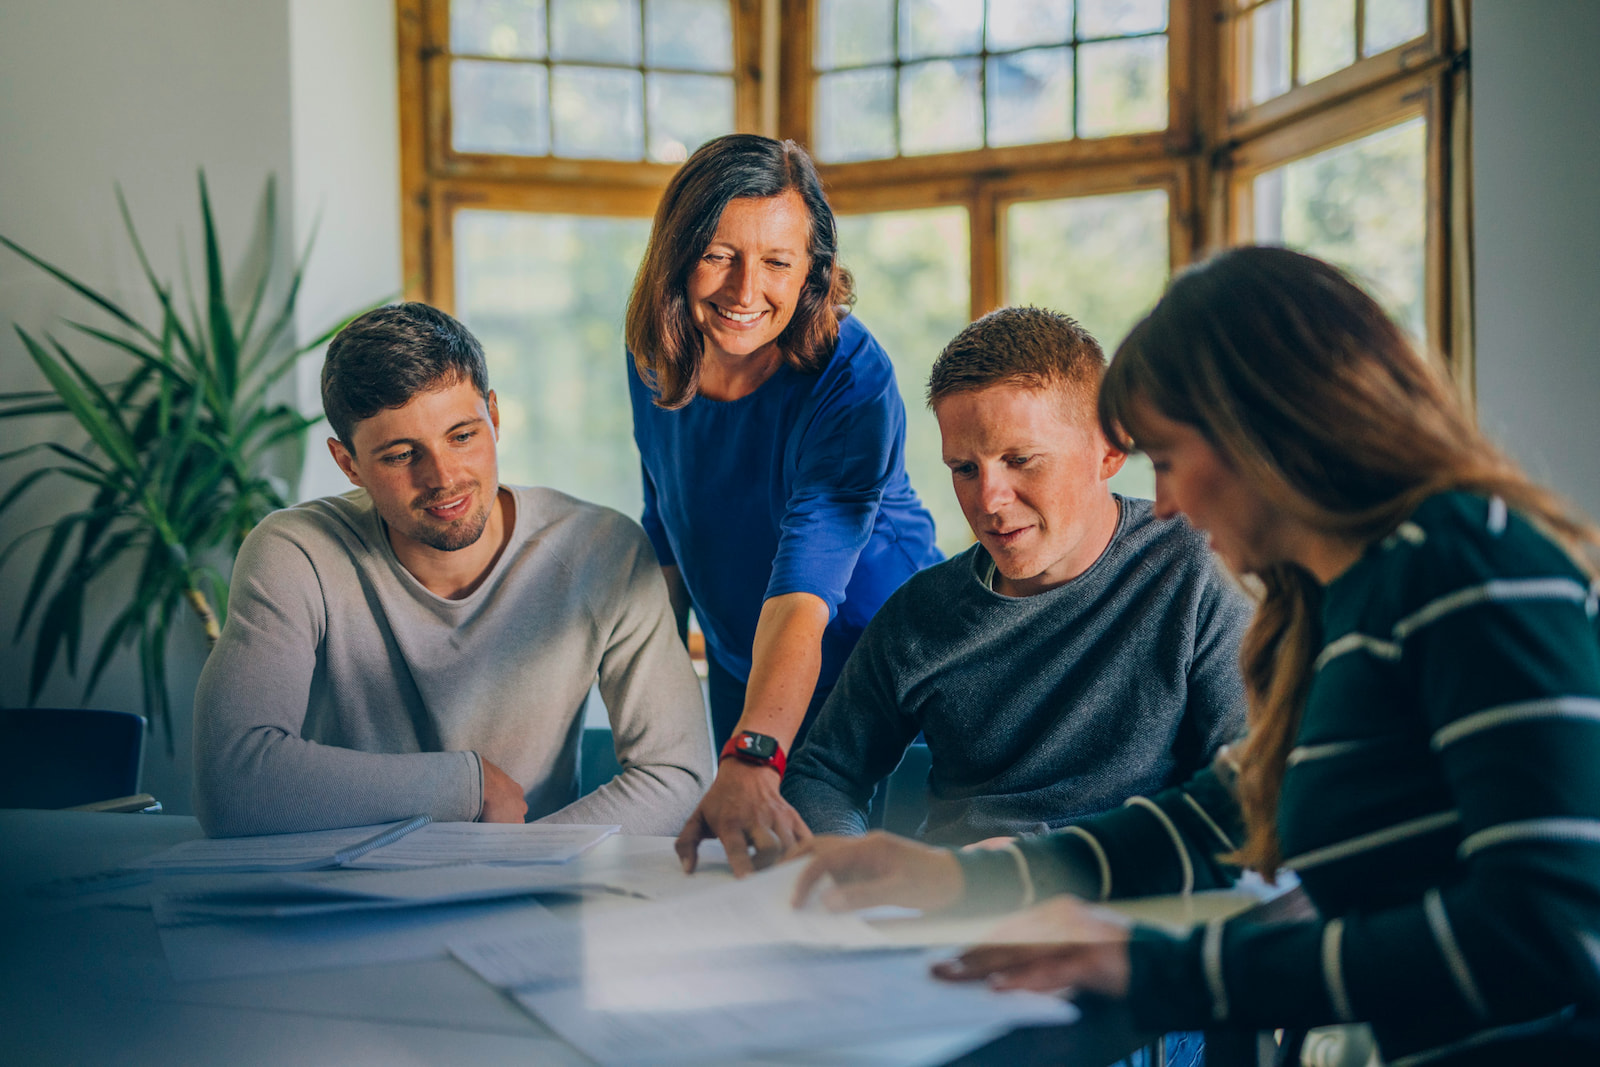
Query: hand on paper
pixel 1061 944
pixel 880 869
pixel 744 810
pixel 502 797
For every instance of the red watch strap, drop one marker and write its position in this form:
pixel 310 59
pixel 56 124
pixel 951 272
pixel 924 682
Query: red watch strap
pixel 777 761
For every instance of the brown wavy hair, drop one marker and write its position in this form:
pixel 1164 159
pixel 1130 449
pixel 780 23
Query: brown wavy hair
pixel 1312 394
pixel 660 332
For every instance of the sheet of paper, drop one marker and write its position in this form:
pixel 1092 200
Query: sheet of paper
pixel 198 951
pixel 660 982
pixel 661 1006
pixel 493 843
pixel 733 914
pixel 790 1004
pixel 244 896
pixel 266 853
pixel 432 845
pixel 649 867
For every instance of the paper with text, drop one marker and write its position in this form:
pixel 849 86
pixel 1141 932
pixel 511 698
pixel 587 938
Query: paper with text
pixel 433 845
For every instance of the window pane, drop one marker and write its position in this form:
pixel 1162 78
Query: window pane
pixel 508 28
pixel 599 114
pixel 545 294
pixel 1327 37
pixel 1020 23
pixel 1269 50
pixel 940 28
pixel 1030 97
pixel 1101 259
pixel 602 31
pixel 854 33
pixel 913 293
pixel 691 34
pixel 1392 22
pixel 1362 206
pixel 1122 86
pixel 855 115
pixel 940 109
pixel 687 110
pixel 1111 18
pixel 499 107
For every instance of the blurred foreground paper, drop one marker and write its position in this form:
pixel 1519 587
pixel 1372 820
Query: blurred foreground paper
pixel 659 983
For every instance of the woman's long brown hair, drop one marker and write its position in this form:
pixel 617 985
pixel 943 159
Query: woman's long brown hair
pixel 659 330
pixel 1317 399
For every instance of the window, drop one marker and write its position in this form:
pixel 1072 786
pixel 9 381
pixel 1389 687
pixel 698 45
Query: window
pixel 1068 153
pixel 912 77
pixel 622 79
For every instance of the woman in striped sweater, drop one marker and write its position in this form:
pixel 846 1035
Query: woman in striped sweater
pixel 1424 684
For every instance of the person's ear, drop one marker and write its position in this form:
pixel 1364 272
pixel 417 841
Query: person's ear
pixel 347 463
pixel 1111 459
pixel 494 413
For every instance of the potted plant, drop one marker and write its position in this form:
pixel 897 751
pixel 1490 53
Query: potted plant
pixel 177 457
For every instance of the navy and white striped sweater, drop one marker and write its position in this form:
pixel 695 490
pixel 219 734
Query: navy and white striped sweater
pixel 1441 807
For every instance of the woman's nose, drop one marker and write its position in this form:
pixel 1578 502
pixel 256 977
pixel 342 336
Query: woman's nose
pixel 742 281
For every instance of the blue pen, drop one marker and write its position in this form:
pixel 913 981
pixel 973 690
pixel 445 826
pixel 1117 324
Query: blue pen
pixel 387 836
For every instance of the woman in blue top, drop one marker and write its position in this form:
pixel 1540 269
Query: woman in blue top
pixel 772 438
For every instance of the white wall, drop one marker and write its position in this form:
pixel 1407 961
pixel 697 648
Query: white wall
pixel 345 128
pixel 94 92
pixel 1536 172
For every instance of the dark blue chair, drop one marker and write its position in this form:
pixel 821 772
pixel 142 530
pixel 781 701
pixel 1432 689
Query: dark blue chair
pixel 904 796
pixel 597 759
pixel 68 757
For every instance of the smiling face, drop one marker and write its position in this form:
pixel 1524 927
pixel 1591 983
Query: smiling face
pixel 430 468
pixel 1030 471
pixel 744 289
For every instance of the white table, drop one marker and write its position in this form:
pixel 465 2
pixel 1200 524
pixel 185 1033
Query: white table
pixel 88 982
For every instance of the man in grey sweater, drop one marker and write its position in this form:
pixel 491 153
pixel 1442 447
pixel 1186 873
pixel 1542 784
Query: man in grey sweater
pixel 425 643
pixel 1081 653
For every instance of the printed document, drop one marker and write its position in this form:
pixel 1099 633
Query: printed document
pixel 430 845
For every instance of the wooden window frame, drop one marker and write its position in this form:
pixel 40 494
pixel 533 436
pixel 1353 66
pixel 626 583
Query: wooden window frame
pixel 985 180
pixel 436 180
pixel 1422 77
pixel 1205 159
pixel 1245 120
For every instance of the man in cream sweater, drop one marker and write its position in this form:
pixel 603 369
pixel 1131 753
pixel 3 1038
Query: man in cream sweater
pixel 425 643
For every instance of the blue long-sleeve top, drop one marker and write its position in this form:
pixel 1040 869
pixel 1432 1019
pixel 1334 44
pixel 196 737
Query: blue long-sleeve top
pixel 800 486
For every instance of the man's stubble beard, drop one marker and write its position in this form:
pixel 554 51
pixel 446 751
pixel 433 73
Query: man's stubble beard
pixel 452 536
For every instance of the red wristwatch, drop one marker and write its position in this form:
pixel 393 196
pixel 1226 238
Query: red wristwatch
pixel 756 748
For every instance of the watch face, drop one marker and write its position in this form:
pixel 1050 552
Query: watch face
pixel 758 745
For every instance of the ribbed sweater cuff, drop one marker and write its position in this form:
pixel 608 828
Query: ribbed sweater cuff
pixel 1167 986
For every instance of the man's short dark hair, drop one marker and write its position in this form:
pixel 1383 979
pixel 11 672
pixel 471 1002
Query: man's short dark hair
pixel 1028 346
pixel 389 355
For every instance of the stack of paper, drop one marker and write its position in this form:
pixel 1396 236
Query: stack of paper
pixel 413 843
pixel 258 905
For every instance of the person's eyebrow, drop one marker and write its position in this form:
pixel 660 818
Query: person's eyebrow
pixel 386 445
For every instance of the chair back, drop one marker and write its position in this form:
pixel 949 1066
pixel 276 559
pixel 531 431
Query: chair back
pixel 63 757
pixel 905 804
pixel 597 760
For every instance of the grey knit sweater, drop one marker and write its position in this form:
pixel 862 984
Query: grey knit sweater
pixel 343 692
pixel 1037 710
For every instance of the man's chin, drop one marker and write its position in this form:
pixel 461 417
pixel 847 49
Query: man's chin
pixel 453 536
